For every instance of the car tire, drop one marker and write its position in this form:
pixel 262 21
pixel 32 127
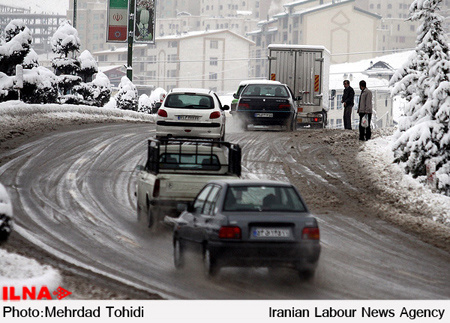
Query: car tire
pixel 5 229
pixel 178 254
pixel 306 274
pixel 210 267
pixel 152 218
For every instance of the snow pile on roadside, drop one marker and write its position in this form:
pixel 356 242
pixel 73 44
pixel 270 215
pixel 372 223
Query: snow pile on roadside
pixel 17 109
pixel 17 271
pixel 410 193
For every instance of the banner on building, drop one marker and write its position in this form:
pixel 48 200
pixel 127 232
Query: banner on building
pixel 144 28
pixel 117 21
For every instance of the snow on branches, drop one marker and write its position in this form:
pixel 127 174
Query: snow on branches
pixel 423 136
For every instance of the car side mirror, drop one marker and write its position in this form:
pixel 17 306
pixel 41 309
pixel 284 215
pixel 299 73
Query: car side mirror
pixel 298 98
pixel 235 96
pixel 226 107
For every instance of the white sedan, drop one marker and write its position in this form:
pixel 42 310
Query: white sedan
pixel 194 113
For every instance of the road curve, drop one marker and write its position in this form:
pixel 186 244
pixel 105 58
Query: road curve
pixel 75 198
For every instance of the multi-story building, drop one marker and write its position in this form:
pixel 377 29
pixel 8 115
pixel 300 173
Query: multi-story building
pixel 302 23
pixel 42 25
pixel 204 59
pixel 91 23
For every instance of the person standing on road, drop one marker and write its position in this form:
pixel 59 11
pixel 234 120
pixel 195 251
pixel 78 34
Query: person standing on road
pixel 348 101
pixel 364 108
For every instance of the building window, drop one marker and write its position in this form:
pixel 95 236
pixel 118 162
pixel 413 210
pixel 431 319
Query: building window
pixel 172 44
pixel 151 74
pixel 213 76
pixel 213 61
pixel 338 101
pixel 389 6
pixel 214 44
pixel 152 59
pixel 172 58
pixel 332 104
pixel 338 123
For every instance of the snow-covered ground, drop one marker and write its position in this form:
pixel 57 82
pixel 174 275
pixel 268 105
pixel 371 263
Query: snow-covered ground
pixel 17 270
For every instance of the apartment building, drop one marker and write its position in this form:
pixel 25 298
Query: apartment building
pixel 204 59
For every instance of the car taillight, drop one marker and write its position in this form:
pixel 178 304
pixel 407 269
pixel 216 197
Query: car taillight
pixel 311 233
pixel 230 233
pixel 316 119
pixel 162 113
pixel 243 106
pixel 156 188
pixel 284 106
pixel 215 115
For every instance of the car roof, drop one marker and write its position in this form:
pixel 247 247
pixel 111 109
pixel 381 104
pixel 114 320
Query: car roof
pixel 191 90
pixel 250 182
pixel 258 82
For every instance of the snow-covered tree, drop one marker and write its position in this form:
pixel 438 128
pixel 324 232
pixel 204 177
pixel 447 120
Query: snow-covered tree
pixel 145 105
pixel 31 60
pixel 88 66
pixel 101 89
pixel 423 136
pixel 65 42
pixel 40 85
pixel 16 46
pixel 127 97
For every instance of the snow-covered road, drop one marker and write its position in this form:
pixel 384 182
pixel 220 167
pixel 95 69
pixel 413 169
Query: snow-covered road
pixel 76 193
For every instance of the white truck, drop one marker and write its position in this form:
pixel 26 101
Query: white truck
pixel 176 170
pixel 306 70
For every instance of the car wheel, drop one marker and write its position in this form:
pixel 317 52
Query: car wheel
pixel 306 274
pixel 152 218
pixel 178 254
pixel 209 264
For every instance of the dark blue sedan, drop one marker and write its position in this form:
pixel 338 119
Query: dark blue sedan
pixel 248 223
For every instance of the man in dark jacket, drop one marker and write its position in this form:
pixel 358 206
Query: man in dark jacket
pixel 348 99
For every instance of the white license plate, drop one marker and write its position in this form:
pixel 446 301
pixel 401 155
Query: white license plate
pixel 271 233
pixel 264 115
pixel 188 117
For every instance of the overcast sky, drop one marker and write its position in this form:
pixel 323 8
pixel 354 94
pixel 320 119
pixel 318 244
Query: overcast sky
pixel 49 6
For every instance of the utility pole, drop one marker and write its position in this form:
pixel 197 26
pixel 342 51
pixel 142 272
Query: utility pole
pixel 131 10
pixel 74 13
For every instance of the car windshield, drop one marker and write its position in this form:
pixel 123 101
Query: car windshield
pixel 265 90
pixel 189 161
pixel 263 198
pixel 189 101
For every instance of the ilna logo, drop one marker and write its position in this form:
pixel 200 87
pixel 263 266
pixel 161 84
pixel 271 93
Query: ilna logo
pixel 25 293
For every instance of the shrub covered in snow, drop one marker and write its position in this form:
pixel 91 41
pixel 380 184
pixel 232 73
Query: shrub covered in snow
pixel 40 85
pixel 13 51
pixel 423 137
pixel 65 43
pixel 127 97
pixel 145 104
pixel 88 66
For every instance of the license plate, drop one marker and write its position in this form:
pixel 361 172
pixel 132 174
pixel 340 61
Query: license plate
pixel 188 117
pixel 264 115
pixel 271 233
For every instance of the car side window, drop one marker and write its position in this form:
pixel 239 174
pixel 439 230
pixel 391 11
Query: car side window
pixel 211 201
pixel 201 198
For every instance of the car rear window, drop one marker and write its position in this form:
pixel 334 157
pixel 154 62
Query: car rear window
pixel 265 90
pixel 189 101
pixel 263 198
pixel 189 162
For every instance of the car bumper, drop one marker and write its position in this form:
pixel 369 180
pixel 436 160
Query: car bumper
pixel 303 255
pixel 276 118
pixel 188 129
